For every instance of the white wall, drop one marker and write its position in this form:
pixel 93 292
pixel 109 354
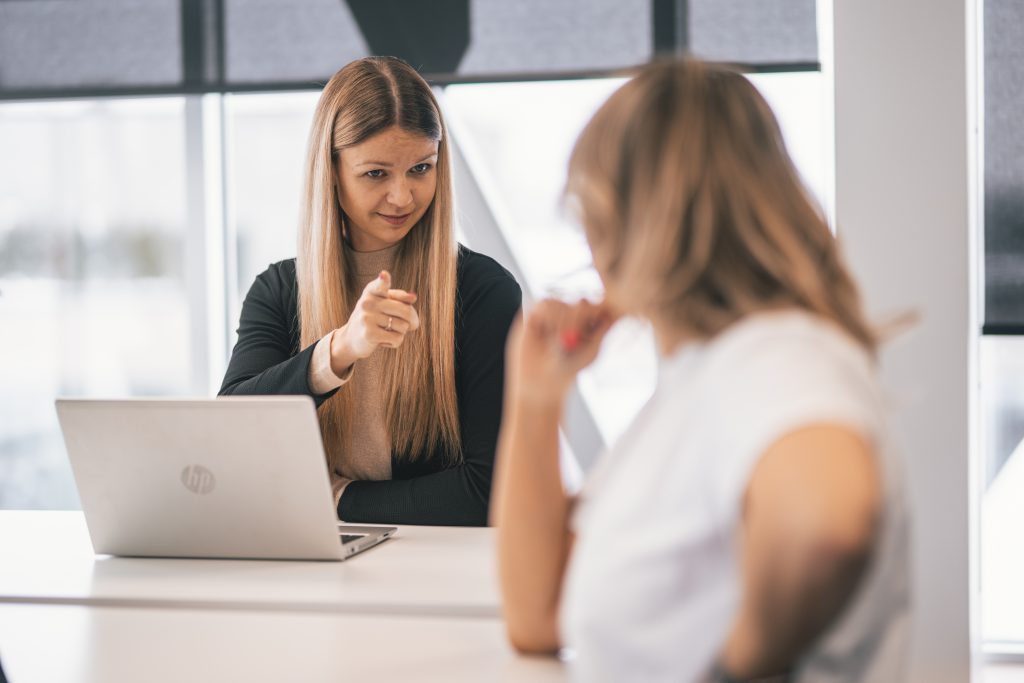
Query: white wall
pixel 903 211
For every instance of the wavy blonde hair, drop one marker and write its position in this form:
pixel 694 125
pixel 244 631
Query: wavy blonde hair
pixel 421 411
pixel 695 213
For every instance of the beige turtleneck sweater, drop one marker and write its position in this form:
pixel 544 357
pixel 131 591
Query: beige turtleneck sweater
pixel 368 455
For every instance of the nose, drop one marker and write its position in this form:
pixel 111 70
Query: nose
pixel 399 193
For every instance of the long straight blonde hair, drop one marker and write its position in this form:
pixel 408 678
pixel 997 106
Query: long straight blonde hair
pixel 421 411
pixel 695 213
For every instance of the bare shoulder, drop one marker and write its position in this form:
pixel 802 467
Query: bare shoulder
pixel 819 479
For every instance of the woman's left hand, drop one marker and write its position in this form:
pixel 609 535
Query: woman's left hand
pixel 548 348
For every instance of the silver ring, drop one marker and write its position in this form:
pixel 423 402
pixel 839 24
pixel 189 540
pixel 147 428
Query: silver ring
pixel 390 320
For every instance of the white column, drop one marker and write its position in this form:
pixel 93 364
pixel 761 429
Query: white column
pixel 205 248
pixel 905 213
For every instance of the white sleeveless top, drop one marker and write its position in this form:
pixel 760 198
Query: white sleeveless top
pixel 654 579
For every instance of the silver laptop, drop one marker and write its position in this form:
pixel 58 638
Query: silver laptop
pixel 227 478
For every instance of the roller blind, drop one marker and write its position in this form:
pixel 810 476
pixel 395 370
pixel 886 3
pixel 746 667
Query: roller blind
pixel 82 47
pixel 99 44
pixel 1004 167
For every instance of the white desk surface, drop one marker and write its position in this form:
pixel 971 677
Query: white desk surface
pixel 46 558
pixel 68 644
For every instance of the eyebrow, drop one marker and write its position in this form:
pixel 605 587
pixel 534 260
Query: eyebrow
pixel 387 165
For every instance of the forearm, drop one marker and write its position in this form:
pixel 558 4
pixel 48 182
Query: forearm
pixel 267 374
pixel 456 496
pixel 531 510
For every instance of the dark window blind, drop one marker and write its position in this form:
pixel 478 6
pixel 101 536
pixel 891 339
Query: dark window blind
pixel 68 45
pixel 56 48
pixel 755 32
pixel 1004 167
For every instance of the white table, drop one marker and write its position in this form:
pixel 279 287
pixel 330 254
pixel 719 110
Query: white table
pixel 68 644
pixel 422 606
pixel 46 558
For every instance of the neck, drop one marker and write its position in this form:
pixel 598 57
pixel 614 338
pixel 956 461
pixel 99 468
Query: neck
pixel 372 262
pixel 669 338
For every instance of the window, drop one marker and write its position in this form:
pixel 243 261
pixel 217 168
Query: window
pixel 111 262
pixel 1002 554
pixel 266 141
pixel 518 146
pixel 92 293
pixel 1002 344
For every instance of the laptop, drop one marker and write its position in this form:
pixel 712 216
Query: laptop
pixel 234 477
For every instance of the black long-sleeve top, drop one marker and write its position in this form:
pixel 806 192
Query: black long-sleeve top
pixel 267 360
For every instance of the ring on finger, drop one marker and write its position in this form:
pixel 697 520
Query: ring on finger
pixel 390 320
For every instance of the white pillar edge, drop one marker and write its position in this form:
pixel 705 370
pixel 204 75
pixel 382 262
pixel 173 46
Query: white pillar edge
pixel 906 215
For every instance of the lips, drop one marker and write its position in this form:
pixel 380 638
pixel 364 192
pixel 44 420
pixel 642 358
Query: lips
pixel 395 220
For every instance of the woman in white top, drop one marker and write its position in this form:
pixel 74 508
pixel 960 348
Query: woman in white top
pixel 749 525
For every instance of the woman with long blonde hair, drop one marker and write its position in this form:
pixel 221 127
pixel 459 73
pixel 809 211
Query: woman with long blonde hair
pixel 394 329
pixel 750 524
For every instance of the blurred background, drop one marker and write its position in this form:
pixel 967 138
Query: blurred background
pixel 150 155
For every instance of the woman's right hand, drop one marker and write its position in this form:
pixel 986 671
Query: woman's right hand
pixel 381 317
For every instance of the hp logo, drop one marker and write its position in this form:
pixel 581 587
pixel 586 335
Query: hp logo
pixel 198 479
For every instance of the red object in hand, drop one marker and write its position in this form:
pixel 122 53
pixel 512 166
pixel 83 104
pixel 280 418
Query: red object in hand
pixel 570 340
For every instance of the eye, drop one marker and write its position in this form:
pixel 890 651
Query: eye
pixel 420 169
pixel 375 173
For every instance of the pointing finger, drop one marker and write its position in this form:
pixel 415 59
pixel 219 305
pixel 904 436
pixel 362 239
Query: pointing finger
pixel 402 295
pixel 380 286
